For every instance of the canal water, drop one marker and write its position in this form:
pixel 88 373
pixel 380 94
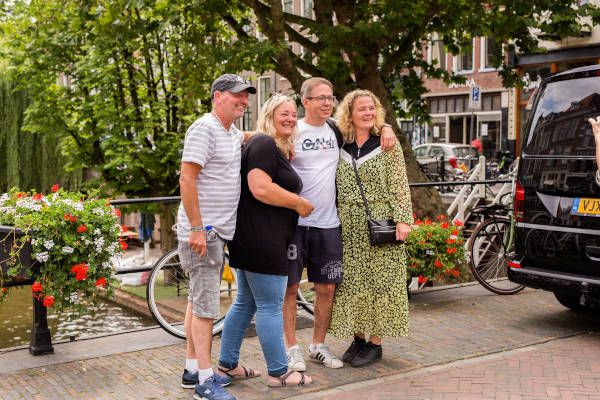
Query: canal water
pixel 16 319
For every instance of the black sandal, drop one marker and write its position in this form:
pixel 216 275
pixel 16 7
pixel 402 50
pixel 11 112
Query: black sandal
pixel 283 383
pixel 248 373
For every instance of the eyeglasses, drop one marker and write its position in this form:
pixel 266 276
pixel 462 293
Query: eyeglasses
pixel 323 99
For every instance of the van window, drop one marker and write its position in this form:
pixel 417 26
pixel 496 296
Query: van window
pixel 465 152
pixel 420 152
pixel 559 125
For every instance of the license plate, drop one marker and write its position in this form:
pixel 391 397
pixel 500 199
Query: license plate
pixel 588 207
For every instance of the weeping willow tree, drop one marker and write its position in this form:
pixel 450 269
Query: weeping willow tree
pixel 28 160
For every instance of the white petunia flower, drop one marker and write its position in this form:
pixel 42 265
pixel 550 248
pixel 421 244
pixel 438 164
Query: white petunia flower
pixel 49 244
pixel 68 249
pixel 42 257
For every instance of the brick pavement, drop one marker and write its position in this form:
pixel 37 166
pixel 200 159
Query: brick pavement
pixel 440 333
pixel 561 369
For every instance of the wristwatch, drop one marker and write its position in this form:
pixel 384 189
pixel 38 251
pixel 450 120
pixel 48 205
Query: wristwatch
pixel 388 125
pixel 198 228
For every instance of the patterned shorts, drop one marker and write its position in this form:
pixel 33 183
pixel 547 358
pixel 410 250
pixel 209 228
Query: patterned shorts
pixel 320 251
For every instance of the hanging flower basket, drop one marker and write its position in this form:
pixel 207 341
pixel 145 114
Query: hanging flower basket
pixel 65 241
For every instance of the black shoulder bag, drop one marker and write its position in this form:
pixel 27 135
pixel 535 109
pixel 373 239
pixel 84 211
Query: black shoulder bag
pixel 381 231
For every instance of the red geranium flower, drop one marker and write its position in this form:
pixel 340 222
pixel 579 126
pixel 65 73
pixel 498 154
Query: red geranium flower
pixel 38 196
pixel 21 195
pixel 55 188
pixel 48 301
pixel 116 212
pixel 419 222
pixel 124 228
pixel 438 263
pixel 455 232
pixel 458 223
pixel 101 282
pixel 4 290
pixel 428 221
pixel 422 279
pixel 82 228
pixel 124 245
pixel 456 273
pixel 444 225
pixel 36 287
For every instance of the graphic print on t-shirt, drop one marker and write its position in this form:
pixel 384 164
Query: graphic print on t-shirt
pixel 317 156
pixel 318 143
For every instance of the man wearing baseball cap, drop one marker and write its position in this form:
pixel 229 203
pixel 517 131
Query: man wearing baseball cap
pixel 210 191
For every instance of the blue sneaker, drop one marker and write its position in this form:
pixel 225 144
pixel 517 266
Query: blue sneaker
pixel 189 379
pixel 211 390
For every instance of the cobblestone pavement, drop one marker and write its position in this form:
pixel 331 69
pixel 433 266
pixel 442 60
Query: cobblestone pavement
pixel 445 332
pixel 560 369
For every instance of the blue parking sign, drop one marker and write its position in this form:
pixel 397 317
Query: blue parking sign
pixel 475 98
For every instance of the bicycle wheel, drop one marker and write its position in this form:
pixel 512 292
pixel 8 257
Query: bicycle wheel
pixel 488 255
pixel 167 294
pixel 306 296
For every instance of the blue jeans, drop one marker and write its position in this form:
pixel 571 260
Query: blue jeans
pixel 261 294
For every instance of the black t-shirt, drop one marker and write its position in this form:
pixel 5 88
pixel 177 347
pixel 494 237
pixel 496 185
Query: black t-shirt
pixel 264 232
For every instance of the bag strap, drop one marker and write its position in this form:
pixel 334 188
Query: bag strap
pixel 336 130
pixel 362 193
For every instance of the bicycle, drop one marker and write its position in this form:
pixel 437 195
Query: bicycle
pixel 167 294
pixel 491 245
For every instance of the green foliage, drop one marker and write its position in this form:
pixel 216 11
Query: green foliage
pixel 27 160
pixel 435 250
pixel 117 82
pixel 379 45
pixel 74 241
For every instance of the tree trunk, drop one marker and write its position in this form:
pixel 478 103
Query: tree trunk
pixel 426 201
pixel 167 220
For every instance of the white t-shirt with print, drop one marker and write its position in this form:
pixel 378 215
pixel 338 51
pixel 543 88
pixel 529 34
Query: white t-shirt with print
pixel 317 155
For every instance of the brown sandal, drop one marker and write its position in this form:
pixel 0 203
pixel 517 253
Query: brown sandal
pixel 283 383
pixel 248 373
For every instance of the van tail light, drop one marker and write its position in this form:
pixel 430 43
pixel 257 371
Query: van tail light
pixel 514 264
pixel 519 202
pixel 452 161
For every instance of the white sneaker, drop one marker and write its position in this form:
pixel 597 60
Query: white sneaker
pixel 322 354
pixel 294 359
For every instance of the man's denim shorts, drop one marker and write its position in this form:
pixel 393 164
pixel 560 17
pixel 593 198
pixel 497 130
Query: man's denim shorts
pixel 205 276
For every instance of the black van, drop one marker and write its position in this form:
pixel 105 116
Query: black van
pixel 557 199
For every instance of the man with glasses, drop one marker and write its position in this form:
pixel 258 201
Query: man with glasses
pixel 318 241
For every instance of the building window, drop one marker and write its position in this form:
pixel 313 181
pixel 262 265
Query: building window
pixel 488 48
pixel 464 61
pixel 247 119
pixel 406 127
pixel 307 8
pixel 264 90
pixel 288 6
pixel 438 52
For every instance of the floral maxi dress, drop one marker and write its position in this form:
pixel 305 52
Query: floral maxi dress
pixel 372 296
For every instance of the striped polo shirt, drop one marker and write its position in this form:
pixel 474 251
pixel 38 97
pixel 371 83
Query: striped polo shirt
pixel 218 152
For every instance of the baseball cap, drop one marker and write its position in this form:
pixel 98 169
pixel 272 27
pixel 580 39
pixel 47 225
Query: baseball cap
pixel 231 83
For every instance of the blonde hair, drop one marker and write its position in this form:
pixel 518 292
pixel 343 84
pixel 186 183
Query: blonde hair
pixel 344 113
pixel 309 84
pixel 265 123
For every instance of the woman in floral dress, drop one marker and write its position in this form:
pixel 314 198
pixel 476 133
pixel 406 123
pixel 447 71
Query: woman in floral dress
pixel 372 299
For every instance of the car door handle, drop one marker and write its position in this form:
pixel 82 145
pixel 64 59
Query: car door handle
pixel 593 252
